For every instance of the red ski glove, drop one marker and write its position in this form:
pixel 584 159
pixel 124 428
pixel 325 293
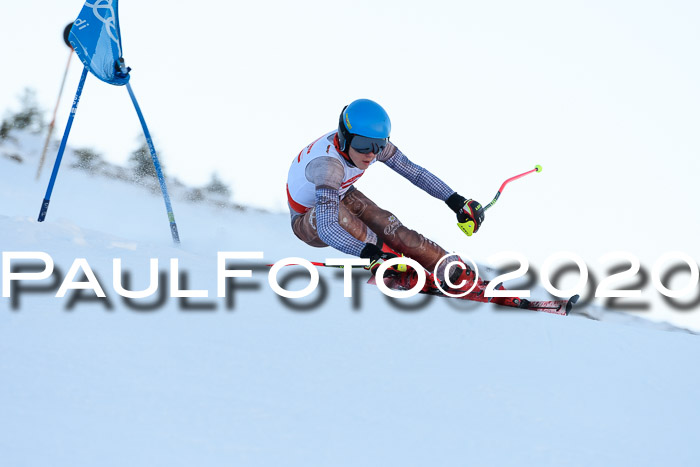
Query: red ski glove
pixel 470 213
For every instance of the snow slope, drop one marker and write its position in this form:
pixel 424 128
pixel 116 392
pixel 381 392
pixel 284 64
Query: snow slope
pixel 341 383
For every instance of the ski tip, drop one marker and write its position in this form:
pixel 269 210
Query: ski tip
pixel 570 303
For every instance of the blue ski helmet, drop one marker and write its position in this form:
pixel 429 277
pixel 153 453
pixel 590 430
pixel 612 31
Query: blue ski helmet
pixel 367 119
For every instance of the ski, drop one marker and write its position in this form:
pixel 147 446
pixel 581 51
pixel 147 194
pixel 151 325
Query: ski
pixel 402 281
pixel 557 307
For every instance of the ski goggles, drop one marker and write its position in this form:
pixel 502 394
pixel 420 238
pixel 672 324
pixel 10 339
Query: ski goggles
pixel 365 145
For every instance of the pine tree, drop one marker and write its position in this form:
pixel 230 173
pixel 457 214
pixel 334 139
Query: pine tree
pixel 142 163
pixel 88 160
pixel 218 187
pixel 30 116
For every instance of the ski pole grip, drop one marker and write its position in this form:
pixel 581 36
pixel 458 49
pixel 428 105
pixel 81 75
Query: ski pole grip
pixel 466 227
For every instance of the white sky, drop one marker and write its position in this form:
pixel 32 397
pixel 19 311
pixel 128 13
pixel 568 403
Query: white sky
pixel 603 94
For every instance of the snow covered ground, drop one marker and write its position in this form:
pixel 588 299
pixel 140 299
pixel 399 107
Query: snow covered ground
pixel 255 381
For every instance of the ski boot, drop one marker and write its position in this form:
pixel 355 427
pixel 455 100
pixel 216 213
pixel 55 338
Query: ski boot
pixel 461 278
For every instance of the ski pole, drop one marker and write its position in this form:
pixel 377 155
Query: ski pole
pixel 317 263
pixel 66 31
pixel 399 267
pixel 468 227
pixel 62 148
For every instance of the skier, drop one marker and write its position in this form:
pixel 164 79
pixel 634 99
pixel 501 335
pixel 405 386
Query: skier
pixel 327 210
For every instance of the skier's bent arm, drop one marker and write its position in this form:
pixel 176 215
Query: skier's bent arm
pixel 333 234
pixel 329 229
pixel 466 209
pixel 326 173
pixel 414 173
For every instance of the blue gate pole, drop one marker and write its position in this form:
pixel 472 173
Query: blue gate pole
pixel 159 172
pixel 62 148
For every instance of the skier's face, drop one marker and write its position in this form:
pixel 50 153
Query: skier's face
pixel 362 161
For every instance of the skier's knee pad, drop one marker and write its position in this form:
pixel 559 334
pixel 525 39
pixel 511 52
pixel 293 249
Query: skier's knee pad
pixel 414 245
pixel 409 239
